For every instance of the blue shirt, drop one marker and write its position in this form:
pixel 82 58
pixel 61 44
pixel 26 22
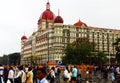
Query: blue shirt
pixel 44 80
pixel 74 72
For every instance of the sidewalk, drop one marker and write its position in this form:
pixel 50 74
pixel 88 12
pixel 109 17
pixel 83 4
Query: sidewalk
pixel 97 79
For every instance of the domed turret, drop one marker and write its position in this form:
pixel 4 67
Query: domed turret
pixel 79 23
pixel 23 37
pixel 58 19
pixel 47 14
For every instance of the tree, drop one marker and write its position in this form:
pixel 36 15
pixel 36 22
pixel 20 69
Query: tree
pixel 117 47
pixel 101 58
pixel 14 59
pixel 69 51
pixel 78 52
pixel 4 60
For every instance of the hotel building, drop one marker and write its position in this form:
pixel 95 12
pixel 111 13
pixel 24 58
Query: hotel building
pixel 50 39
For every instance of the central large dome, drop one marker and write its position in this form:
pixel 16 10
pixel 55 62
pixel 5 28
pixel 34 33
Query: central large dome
pixel 47 14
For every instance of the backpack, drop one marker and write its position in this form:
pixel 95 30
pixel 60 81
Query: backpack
pixel 49 76
pixel 23 76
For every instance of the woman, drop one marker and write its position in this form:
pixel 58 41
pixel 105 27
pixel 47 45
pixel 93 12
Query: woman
pixel 29 75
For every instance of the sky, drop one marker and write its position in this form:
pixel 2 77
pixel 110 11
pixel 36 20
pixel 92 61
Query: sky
pixel 19 17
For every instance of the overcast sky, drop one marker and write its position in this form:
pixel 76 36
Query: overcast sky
pixel 20 16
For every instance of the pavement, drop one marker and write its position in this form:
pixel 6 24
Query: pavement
pixel 93 79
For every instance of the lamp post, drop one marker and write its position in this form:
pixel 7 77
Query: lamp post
pixel 31 53
pixel 47 36
pixel 48 45
pixel 109 58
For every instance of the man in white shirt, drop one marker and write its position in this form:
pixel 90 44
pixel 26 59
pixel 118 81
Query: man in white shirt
pixel 11 75
pixel 1 73
pixel 67 76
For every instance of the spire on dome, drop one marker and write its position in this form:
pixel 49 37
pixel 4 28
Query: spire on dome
pixel 58 19
pixel 58 12
pixel 47 5
pixel 47 14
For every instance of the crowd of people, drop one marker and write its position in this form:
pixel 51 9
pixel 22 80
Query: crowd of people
pixel 56 74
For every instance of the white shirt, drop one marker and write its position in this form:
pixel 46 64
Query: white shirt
pixel 11 74
pixel 1 70
pixel 43 81
pixel 66 74
pixel 117 69
pixel 52 73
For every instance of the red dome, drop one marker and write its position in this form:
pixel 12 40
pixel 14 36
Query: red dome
pixel 23 37
pixel 79 23
pixel 47 15
pixel 58 19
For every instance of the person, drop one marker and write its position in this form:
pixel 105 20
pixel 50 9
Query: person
pixel 41 75
pixel 105 74
pixel 66 75
pixel 26 67
pixel 117 74
pixel 74 75
pixel 11 74
pixel 34 74
pixel 5 73
pixel 118 70
pixel 29 75
pixel 58 75
pixel 79 75
pixel 52 73
pixel 1 73
pixel 112 75
pixel 21 76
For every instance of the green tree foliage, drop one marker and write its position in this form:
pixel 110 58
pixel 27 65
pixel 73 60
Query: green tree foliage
pixel 10 59
pixel 117 47
pixel 14 59
pixel 82 51
pixel 69 51
pixel 4 60
pixel 78 52
pixel 100 58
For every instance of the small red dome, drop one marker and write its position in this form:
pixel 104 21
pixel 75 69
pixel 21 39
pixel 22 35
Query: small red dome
pixel 79 23
pixel 23 37
pixel 47 15
pixel 58 19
